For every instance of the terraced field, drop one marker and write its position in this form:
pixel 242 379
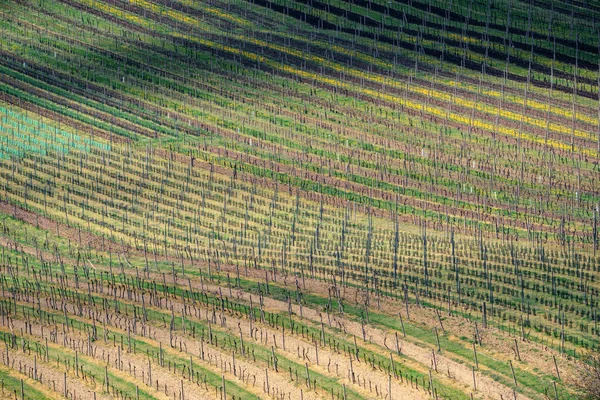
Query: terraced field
pixel 296 199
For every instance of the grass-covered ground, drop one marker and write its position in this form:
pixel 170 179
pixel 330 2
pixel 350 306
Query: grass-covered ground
pixel 298 199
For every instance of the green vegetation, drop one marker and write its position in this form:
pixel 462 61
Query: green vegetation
pixel 406 193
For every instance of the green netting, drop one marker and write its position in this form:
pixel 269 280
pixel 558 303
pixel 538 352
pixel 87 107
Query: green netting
pixel 20 135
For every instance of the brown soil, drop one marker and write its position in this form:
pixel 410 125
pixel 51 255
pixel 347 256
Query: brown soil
pixel 496 342
pixel 53 378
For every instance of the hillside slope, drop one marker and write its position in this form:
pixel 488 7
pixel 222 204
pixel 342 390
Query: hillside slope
pixel 407 190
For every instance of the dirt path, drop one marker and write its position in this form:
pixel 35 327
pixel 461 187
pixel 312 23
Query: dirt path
pixel 496 344
pixel 108 355
pixel 367 381
pixel 251 375
pixel 332 364
pixel 39 385
pixel 461 373
pixel 134 366
pixel 54 379
pixel 247 374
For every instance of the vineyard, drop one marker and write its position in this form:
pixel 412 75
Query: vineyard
pixel 298 199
